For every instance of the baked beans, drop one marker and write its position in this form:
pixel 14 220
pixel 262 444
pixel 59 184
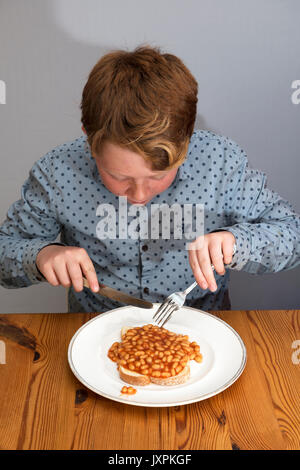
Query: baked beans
pixel 154 351
pixel 128 390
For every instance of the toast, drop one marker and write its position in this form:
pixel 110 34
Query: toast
pixel 177 373
pixel 134 378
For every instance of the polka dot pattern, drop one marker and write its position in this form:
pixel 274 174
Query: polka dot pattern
pixel 64 189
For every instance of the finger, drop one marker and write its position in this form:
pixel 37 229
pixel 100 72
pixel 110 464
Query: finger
pixel 196 269
pixel 227 248
pixel 216 256
pixel 205 266
pixel 75 274
pixel 51 277
pixel 90 274
pixel 62 275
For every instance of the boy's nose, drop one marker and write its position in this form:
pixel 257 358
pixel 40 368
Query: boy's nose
pixel 138 193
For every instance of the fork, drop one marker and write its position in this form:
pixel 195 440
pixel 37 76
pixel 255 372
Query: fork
pixel 170 305
pixel 173 302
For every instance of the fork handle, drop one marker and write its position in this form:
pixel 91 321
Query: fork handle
pixel 188 290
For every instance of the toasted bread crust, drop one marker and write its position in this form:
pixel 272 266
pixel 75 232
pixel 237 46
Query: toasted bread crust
pixel 178 379
pixel 124 331
pixel 133 378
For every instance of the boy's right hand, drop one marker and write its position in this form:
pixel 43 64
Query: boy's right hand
pixel 66 266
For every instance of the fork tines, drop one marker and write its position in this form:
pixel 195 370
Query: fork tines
pixel 163 313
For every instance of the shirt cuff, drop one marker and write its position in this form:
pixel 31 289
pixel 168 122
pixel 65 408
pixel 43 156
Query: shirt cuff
pixel 243 246
pixel 29 259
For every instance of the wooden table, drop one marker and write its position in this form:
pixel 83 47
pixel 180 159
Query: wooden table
pixel 43 406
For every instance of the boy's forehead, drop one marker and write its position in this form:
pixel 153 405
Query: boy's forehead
pixel 124 161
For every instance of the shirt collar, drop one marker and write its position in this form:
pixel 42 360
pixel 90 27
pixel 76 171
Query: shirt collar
pixel 183 173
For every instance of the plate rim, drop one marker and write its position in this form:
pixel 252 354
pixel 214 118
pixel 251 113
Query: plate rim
pixel 159 405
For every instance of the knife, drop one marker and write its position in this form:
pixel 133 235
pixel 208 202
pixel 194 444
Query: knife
pixel 119 296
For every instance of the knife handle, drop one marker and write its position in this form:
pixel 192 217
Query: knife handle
pixel 86 284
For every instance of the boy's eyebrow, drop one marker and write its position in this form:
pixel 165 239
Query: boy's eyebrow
pixel 159 173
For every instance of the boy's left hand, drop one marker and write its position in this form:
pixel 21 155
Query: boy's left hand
pixel 212 249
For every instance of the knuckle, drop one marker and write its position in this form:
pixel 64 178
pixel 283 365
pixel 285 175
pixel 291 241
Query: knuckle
pixel 198 244
pixel 69 253
pixel 212 237
pixel 81 251
pixel 57 257
pixel 90 269
pixel 46 269
pixel 202 257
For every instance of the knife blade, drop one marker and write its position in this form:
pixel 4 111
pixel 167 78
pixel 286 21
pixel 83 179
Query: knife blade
pixel 119 296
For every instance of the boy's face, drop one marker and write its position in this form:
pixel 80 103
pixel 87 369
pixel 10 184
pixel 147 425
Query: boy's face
pixel 125 173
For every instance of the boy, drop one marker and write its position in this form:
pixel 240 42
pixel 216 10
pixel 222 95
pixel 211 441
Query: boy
pixel 138 115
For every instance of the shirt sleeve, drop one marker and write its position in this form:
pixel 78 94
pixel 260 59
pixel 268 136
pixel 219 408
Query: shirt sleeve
pixel 31 224
pixel 265 226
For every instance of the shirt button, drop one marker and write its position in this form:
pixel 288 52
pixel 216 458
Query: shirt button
pixel 145 247
pixel 146 290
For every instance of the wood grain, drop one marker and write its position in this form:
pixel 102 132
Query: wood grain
pixel 43 406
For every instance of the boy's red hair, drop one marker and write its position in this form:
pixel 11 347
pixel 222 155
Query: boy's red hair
pixel 142 100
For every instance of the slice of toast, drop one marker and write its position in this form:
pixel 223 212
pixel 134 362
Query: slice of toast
pixel 135 378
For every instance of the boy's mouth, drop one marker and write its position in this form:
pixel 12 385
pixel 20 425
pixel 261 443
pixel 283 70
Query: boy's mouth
pixel 138 202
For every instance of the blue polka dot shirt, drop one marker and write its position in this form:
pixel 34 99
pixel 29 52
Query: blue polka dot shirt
pixel 64 189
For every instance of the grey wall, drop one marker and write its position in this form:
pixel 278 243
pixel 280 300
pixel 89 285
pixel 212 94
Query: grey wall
pixel 244 54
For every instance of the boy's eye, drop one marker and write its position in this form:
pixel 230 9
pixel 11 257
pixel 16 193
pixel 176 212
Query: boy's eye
pixel 158 177
pixel 119 178
pixel 125 178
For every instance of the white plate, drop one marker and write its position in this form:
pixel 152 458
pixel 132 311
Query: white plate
pixel 224 356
